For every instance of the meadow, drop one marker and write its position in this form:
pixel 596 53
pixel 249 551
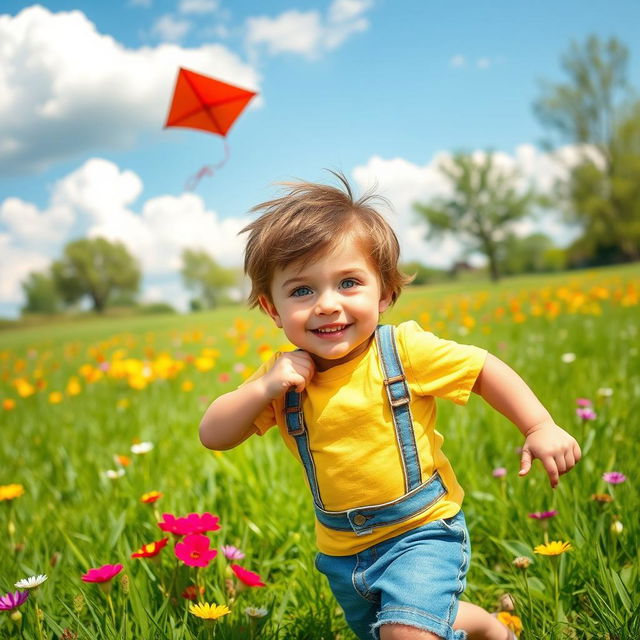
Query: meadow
pixel 100 459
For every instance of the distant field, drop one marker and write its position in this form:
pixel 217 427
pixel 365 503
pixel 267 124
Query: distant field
pixel 75 397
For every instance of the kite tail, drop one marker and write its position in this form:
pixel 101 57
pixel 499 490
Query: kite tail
pixel 208 170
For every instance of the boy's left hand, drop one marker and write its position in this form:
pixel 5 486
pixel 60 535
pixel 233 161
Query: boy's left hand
pixel 554 447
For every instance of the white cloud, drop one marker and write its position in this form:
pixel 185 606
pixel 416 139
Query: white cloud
pixel 308 33
pixel 197 6
pixel 66 89
pixel 404 183
pixel 483 63
pixel 29 225
pixel 170 29
pixel 15 265
pixel 457 61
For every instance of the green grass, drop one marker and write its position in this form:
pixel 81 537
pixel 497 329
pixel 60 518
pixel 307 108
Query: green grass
pixel 71 517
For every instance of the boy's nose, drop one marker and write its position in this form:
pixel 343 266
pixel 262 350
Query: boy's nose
pixel 327 302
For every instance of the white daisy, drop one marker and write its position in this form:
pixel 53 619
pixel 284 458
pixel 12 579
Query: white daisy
pixel 256 612
pixel 568 357
pixel 141 447
pixel 114 475
pixel 32 582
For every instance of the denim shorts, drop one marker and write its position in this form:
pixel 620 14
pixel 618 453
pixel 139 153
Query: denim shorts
pixel 413 579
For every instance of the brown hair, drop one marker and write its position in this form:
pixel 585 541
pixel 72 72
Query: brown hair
pixel 306 221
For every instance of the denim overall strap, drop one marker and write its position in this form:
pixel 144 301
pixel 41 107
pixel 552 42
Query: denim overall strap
pixel 297 428
pixel 395 383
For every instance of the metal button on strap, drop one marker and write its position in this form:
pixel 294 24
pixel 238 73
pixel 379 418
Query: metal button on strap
pixel 359 519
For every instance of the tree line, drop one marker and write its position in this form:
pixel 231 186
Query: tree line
pixel 595 109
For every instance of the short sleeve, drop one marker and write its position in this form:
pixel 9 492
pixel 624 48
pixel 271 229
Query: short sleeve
pixel 267 418
pixel 438 367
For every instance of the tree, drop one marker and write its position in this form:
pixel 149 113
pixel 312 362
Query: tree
pixel 585 109
pixel 41 293
pixel 486 200
pixel 97 268
pixel 202 274
pixel 594 109
pixel 530 254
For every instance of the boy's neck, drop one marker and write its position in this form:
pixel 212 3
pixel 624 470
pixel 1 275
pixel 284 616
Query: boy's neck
pixel 324 364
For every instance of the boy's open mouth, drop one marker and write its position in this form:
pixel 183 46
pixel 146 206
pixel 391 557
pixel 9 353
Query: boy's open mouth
pixel 330 329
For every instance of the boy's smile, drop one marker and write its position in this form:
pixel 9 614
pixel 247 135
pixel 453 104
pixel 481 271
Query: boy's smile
pixel 329 305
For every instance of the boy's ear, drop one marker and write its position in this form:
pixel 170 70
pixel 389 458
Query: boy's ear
pixel 384 304
pixel 269 308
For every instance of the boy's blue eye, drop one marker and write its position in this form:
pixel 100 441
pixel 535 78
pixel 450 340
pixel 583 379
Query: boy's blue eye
pixel 301 291
pixel 348 283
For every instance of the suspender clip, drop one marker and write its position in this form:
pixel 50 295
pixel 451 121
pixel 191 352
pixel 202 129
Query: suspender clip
pixel 297 419
pixel 398 402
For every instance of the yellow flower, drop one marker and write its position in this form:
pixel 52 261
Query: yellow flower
pixel 511 622
pixel 10 491
pixel 73 386
pixel 209 611
pixel 552 548
pixel 24 388
pixel 187 385
pixel 55 397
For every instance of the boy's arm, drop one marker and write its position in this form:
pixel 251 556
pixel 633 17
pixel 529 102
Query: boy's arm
pixel 508 393
pixel 229 420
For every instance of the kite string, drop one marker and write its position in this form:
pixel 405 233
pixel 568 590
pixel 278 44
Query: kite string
pixel 208 170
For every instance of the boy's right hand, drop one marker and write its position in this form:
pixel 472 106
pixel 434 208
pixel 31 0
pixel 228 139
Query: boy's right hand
pixel 291 369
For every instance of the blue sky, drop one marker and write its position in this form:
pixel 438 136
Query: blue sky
pixel 381 90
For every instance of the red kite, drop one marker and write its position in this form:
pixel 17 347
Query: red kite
pixel 201 102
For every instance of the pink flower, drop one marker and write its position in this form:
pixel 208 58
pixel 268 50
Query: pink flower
pixel 499 472
pixel 194 550
pixel 583 402
pixel 543 515
pixel 614 477
pixel 102 574
pixel 586 414
pixel 247 577
pixel 231 552
pixel 193 523
pixel 13 600
pixel 224 377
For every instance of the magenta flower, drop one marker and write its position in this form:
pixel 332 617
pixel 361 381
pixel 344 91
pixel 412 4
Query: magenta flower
pixel 102 574
pixel 614 477
pixel 193 523
pixel 13 600
pixel 543 515
pixel 586 414
pixel 583 402
pixel 194 550
pixel 231 552
pixel 499 472
pixel 247 577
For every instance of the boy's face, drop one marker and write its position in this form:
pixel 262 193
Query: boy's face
pixel 329 305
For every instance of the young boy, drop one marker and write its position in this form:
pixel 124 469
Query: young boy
pixel 391 535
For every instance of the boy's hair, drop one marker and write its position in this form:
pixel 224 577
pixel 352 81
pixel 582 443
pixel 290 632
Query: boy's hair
pixel 306 222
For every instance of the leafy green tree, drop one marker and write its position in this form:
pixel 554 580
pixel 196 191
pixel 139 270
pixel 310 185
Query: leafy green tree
pixel 41 294
pixel 585 108
pixel 484 203
pixel 594 108
pixel 529 254
pixel 97 268
pixel 202 274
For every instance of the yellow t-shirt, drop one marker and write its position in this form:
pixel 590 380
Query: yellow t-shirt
pixel 352 438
